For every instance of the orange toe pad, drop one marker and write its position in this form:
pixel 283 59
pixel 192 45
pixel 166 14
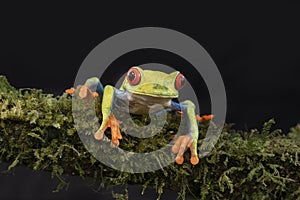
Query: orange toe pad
pixel 113 123
pixel 70 91
pixel 179 160
pixel 194 160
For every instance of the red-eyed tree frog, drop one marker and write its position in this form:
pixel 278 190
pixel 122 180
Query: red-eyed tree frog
pixel 145 89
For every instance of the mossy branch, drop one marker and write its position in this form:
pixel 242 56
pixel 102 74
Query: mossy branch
pixel 37 130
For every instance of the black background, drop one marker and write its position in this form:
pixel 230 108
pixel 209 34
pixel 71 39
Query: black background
pixel 255 46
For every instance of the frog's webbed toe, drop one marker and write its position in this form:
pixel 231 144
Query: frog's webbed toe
pixel 114 125
pixel 86 92
pixel 180 146
pixel 99 134
pixel 204 117
pixel 70 91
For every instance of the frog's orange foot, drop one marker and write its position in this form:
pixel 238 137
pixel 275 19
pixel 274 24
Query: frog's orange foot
pixel 204 117
pixel 180 112
pixel 86 93
pixel 180 146
pixel 70 91
pixel 114 125
pixel 95 94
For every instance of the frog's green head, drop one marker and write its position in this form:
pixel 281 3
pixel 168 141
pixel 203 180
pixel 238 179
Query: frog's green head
pixel 153 83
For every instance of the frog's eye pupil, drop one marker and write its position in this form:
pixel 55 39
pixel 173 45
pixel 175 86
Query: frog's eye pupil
pixel 133 76
pixel 179 81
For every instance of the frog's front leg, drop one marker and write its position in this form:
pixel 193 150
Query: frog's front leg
pixel 108 118
pixel 190 138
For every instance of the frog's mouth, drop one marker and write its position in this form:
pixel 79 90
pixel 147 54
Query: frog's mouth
pixel 154 90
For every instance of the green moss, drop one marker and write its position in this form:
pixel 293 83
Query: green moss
pixel 37 130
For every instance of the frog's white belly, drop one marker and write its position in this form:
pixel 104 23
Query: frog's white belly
pixel 143 104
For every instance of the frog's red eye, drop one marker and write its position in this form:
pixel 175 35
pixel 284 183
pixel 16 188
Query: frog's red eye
pixel 179 81
pixel 133 76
